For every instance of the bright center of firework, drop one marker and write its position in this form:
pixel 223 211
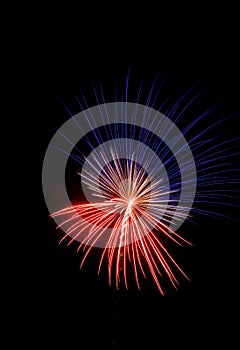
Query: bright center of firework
pixel 127 200
pixel 130 202
pixel 127 192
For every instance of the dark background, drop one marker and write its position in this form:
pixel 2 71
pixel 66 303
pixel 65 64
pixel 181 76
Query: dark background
pixel 47 300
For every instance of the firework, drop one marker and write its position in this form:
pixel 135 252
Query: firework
pixel 138 181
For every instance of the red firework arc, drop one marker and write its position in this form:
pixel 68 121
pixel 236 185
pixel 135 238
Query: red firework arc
pixel 133 207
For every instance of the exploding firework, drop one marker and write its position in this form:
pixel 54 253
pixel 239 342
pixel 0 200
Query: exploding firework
pixel 138 182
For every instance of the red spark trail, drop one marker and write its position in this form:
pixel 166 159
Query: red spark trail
pixel 132 206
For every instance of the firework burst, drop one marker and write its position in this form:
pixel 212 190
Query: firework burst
pixel 139 181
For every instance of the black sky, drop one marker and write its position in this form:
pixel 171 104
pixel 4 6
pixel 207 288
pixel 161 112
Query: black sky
pixel 48 300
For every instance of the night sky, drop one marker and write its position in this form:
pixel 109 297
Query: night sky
pixel 47 300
